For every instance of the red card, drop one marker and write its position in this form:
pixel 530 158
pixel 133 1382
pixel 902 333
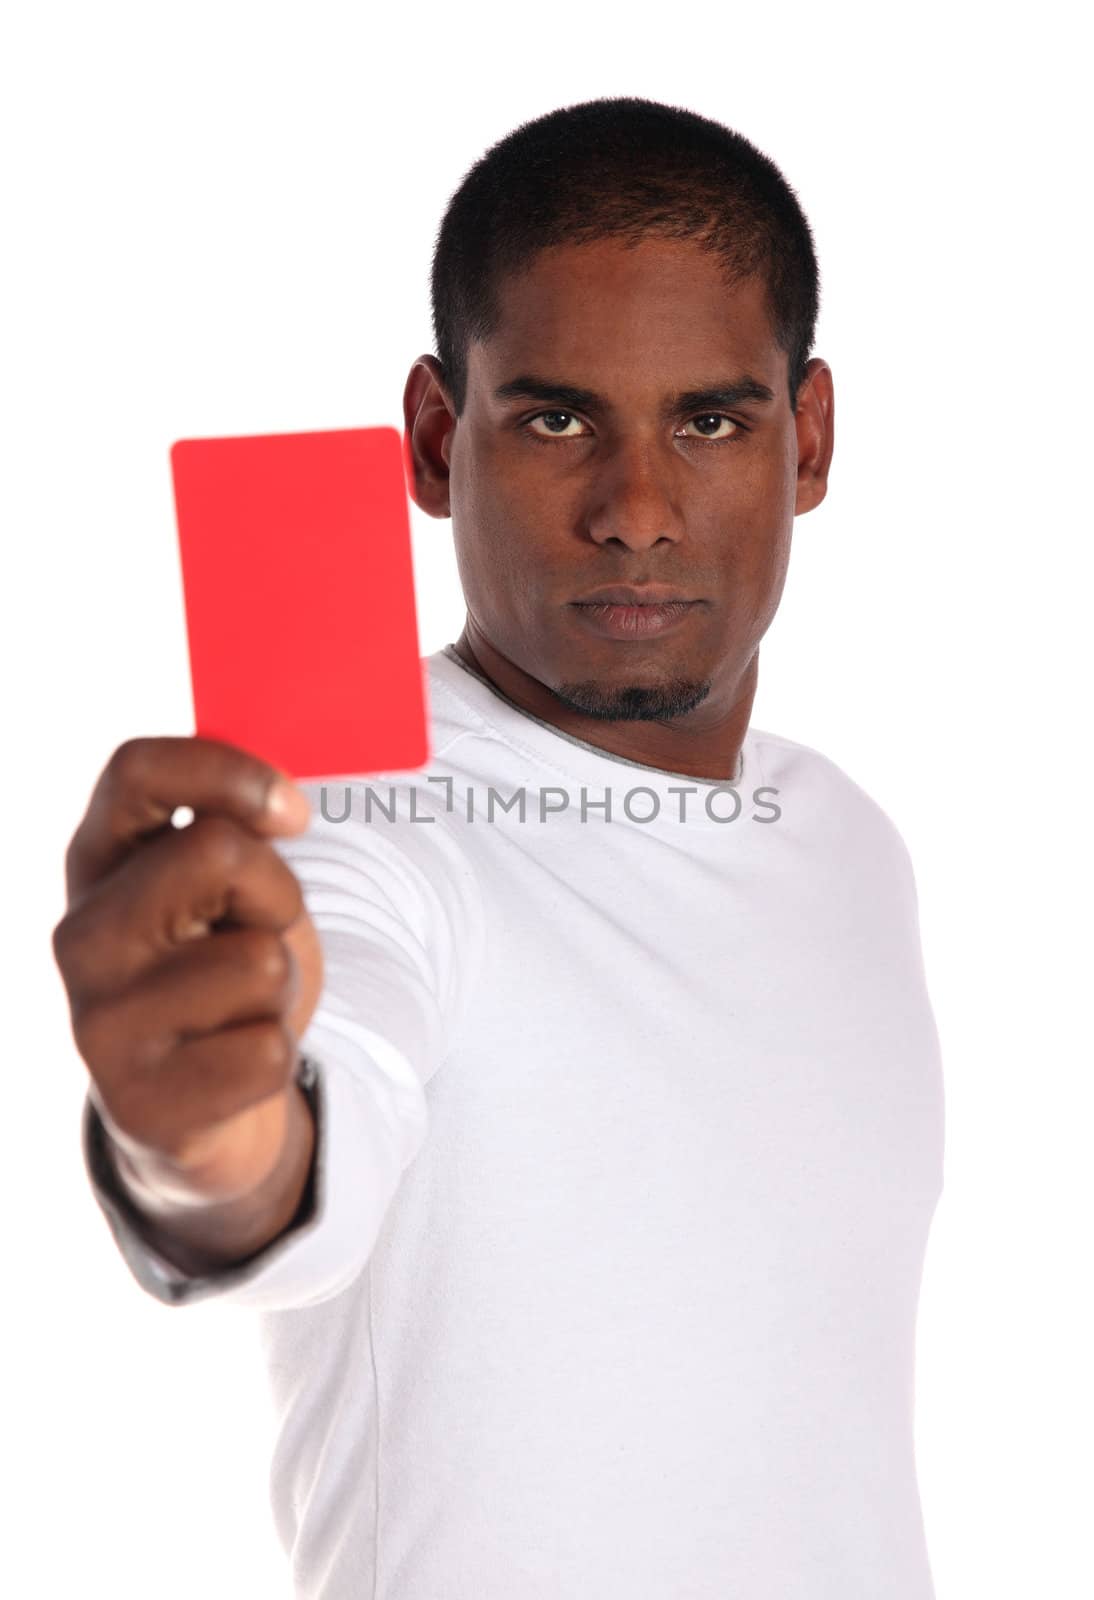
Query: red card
pixel 299 590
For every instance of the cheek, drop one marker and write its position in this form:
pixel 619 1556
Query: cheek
pixel 754 526
pixel 774 557
pixel 771 479
pixel 506 519
pixel 489 498
pixel 751 493
pixel 772 492
pixel 489 540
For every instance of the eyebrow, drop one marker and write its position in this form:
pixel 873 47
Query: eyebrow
pixel 723 395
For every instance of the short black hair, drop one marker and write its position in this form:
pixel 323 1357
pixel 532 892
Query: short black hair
pixel 623 167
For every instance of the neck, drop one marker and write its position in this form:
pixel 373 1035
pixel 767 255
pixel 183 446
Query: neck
pixel 704 744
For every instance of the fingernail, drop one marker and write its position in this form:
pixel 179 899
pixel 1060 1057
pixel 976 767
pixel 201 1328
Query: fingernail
pixel 287 805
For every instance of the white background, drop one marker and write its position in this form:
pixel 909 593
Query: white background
pixel 218 218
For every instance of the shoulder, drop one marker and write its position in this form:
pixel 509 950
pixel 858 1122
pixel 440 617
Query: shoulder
pixel 842 809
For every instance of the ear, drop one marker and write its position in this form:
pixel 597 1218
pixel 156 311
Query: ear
pixel 430 418
pixel 814 421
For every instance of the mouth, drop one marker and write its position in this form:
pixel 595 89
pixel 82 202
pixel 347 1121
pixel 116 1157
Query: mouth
pixel 633 620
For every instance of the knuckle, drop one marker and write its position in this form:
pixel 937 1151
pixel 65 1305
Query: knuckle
pixel 290 895
pixel 275 1048
pixel 296 891
pixel 94 1030
pixel 61 941
pixel 128 767
pixel 267 958
pixel 71 944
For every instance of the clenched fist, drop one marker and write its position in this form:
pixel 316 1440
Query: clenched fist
pixel 191 965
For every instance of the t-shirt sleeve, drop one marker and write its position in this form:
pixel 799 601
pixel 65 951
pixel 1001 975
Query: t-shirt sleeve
pixel 398 911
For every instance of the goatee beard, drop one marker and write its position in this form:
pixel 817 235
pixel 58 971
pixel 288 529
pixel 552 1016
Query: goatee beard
pixel 660 702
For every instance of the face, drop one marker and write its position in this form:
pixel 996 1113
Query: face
pixel 627 424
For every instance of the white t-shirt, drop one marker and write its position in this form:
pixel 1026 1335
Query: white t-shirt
pixel 630 1138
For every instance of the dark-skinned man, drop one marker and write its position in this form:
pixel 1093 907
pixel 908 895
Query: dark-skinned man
pixel 571 1111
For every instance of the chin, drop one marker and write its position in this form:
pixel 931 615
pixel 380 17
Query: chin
pixel 633 702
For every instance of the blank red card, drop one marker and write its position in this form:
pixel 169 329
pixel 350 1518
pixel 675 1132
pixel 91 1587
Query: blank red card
pixel 298 583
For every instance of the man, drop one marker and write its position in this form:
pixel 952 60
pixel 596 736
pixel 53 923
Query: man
pixel 587 1240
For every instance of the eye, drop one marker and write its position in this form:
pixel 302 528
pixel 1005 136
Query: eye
pixel 716 417
pixel 567 419
pixel 553 416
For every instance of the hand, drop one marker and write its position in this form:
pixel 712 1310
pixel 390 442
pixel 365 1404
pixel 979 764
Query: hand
pixel 190 963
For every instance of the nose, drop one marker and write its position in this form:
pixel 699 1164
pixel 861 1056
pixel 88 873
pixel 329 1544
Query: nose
pixel 632 499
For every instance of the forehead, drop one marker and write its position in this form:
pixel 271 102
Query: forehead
pixel 603 311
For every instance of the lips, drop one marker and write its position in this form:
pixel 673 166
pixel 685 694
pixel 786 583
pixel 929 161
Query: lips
pixel 633 622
